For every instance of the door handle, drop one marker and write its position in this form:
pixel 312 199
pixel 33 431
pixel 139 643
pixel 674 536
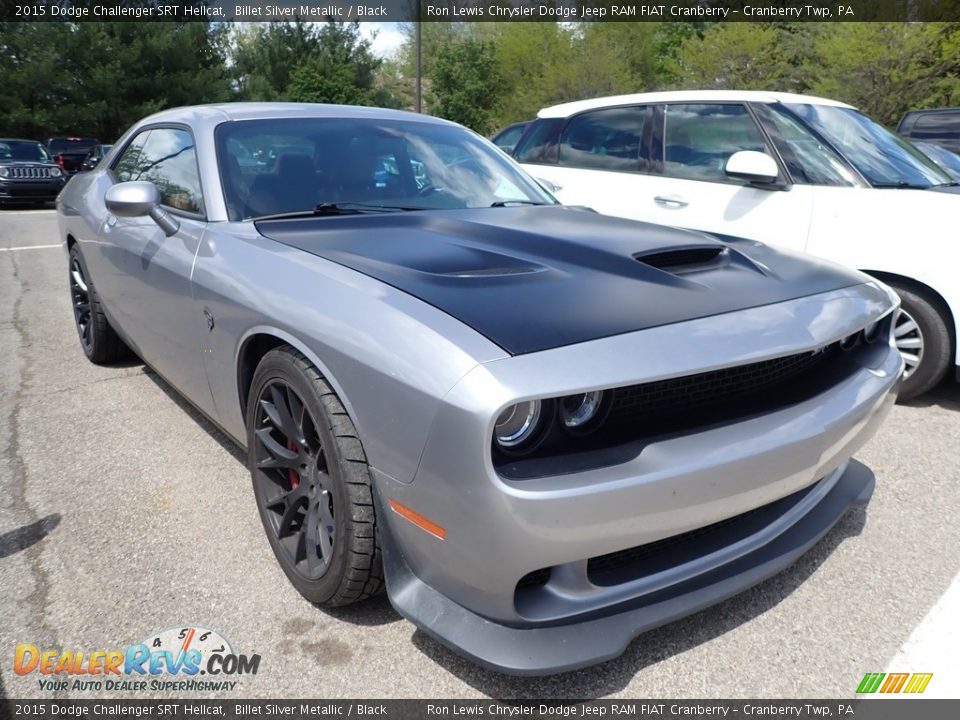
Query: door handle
pixel 671 201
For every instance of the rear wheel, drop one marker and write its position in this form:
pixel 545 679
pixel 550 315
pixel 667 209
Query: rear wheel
pixel 311 482
pixel 921 334
pixel 99 341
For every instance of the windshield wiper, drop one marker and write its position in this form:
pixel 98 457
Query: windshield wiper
pixel 507 203
pixel 952 183
pixel 901 185
pixel 326 209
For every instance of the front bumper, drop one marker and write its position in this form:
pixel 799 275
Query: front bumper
pixel 790 466
pixel 540 650
pixel 28 192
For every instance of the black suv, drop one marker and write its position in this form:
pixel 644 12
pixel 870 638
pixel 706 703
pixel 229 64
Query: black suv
pixel 27 173
pixel 940 126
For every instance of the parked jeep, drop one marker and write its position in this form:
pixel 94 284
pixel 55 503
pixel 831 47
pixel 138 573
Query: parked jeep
pixel 28 175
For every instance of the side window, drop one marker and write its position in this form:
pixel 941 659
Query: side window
pixel 169 160
pixel 808 160
pixel 936 126
pixel 127 166
pixel 539 145
pixel 699 139
pixel 606 139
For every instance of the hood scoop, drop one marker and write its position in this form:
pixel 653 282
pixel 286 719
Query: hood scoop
pixel 684 259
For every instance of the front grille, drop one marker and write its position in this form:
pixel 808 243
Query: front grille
pixel 643 560
pixel 716 387
pixel 29 173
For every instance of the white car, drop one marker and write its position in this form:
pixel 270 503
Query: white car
pixel 799 172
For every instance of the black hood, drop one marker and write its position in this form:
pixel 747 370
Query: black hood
pixel 27 163
pixel 534 278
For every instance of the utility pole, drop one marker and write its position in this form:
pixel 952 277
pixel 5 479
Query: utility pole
pixel 419 100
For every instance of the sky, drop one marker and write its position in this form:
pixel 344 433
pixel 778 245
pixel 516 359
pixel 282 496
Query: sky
pixel 388 38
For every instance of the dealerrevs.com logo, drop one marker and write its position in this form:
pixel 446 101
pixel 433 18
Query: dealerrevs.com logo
pixel 175 660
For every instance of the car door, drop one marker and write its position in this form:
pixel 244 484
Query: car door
pixel 689 186
pixel 147 275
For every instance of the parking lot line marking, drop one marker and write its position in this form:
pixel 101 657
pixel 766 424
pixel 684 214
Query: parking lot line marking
pixel 932 647
pixel 30 247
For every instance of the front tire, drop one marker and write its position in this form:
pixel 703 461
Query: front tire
pixel 923 338
pixel 311 482
pixel 99 340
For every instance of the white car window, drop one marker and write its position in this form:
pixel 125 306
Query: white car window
pixel 606 139
pixel 699 139
pixel 808 160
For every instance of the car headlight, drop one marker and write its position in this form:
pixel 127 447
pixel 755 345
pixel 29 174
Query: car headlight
pixel 55 172
pixel 522 426
pixel 4 172
pixel 582 413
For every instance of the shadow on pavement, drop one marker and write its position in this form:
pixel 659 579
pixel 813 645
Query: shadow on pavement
pixel 372 612
pixel 198 417
pixel 23 537
pixel 945 395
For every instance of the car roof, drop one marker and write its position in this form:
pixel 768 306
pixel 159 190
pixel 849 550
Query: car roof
pixel 226 112
pixel 762 96
pixel 927 111
pixel 6 140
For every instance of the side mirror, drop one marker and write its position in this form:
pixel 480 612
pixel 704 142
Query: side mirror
pixel 752 166
pixel 139 199
pixel 550 187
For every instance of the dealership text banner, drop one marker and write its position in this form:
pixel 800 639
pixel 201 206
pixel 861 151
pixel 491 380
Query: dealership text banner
pixel 915 709
pixel 477 10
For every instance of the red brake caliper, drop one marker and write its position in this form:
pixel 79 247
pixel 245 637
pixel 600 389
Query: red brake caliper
pixel 292 475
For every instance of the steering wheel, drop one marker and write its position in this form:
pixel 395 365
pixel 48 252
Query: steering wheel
pixel 428 190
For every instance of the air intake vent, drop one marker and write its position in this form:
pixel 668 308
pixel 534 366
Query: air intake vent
pixel 682 259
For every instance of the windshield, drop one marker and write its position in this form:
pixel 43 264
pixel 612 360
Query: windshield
pixel 71 145
pixel 948 161
pixel 881 157
pixel 276 166
pixel 23 150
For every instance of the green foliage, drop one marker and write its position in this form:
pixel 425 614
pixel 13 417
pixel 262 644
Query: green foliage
pixel 887 68
pixel 98 78
pixel 466 84
pixel 265 56
pixel 339 69
pixel 736 55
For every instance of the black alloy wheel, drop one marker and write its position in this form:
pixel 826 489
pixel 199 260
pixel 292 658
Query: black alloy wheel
pixel 293 480
pixel 311 482
pixel 99 341
pixel 80 295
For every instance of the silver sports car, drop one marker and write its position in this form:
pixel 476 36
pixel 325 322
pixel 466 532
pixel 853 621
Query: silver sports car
pixel 543 430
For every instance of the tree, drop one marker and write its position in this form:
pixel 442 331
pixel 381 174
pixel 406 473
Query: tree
pixel 99 78
pixel 466 84
pixel 341 69
pixel 887 68
pixel 266 54
pixel 736 55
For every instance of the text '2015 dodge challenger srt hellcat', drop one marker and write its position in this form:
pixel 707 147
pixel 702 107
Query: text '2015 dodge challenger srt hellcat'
pixel 542 430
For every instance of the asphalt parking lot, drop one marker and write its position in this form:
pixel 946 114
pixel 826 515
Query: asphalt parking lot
pixel 123 512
